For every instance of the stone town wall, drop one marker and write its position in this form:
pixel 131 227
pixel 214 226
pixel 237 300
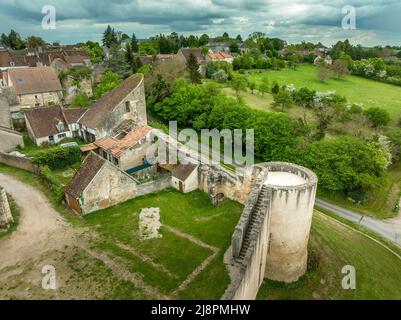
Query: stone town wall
pixel 247 274
pixel 17 162
pixel 5 212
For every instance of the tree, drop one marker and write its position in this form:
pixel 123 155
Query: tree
pixel 305 98
pixel 35 42
pixel 136 64
pixel 108 82
pixel 323 71
pixel 203 40
pixel 252 86
pixel 275 88
pixel 239 83
pixel 283 100
pixel 226 36
pixel 239 38
pixel 110 37
pixel 378 116
pixel 346 165
pixel 80 101
pixel 13 40
pixel 193 67
pixel 264 87
pixel 340 68
pixel 234 48
pixel 94 50
pixel 134 44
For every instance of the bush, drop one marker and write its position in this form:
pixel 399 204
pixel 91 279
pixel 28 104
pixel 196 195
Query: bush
pixel 57 158
pixel 80 101
pixel 379 117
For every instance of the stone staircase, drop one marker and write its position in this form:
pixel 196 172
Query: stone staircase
pixel 255 214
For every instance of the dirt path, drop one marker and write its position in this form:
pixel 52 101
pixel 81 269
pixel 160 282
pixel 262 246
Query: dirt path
pixel 41 228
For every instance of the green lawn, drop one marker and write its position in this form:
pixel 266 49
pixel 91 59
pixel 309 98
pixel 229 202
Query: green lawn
pixel 192 214
pixel 356 89
pixel 332 246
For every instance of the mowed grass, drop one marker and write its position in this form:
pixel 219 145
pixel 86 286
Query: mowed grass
pixel 166 262
pixel 356 89
pixel 333 245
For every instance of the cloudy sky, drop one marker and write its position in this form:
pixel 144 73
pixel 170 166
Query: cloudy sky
pixel 378 21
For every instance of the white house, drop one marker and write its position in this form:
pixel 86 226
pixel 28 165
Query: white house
pixel 185 177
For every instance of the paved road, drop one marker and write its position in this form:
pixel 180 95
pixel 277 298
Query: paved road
pixel 389 229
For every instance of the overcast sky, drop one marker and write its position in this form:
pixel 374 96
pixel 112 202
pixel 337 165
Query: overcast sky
pixel 378 21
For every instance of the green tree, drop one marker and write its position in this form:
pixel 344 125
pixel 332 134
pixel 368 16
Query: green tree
pixel 80 101
pixel 35 42
pixel 239 83
pixel 264 87
pixel 203 40
pixel 323 71
pixel 275 88
pixel 305 98
pixel 108 82
pixel 340 68
pixel 134 44
pixel 234 48
pixel 193 67
pixel 110 38
pixel 378 116
pixel 283 100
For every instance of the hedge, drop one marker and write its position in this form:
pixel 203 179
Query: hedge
pixel 57 158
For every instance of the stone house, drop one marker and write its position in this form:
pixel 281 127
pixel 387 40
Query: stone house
pixel 98 185
pixel 48 126
pixel 124 103
pixel 327 60
pixel 35 87
pixel 127 151
pixel 185 177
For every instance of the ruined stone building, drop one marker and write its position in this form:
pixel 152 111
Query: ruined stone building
pixel 124 104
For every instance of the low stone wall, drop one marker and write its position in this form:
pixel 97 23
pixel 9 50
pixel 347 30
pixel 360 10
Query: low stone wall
pixel 10 139
pixel 18 162
pixel 154 186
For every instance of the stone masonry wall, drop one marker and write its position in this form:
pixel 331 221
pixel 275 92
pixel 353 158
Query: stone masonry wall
pixel 5 212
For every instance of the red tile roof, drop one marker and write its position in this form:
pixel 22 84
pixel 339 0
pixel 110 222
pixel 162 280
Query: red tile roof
pixel 117 147
pixel 219 56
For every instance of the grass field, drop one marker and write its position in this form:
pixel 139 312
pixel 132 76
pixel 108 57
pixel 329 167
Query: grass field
pixel 357 90
pixel 332 245
pixel 166 262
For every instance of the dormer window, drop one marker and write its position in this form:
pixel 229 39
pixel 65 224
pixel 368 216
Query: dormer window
pixel 60 126
pixel 128 106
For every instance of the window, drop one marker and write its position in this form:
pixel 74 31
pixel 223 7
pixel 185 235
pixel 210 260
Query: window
pixel 104 154
pixel 115 161
pixel 51 139
pixel 62 136
pixel 127 106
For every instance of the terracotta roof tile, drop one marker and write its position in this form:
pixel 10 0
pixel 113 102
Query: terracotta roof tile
pixel 116 147
pixel 99 111
pixel 34 80
pixel 89 168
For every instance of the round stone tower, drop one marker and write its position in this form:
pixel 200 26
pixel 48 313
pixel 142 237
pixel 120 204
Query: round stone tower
pixel 293 191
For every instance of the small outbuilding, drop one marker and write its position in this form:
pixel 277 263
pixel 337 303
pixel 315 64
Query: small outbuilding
pixel 185 177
